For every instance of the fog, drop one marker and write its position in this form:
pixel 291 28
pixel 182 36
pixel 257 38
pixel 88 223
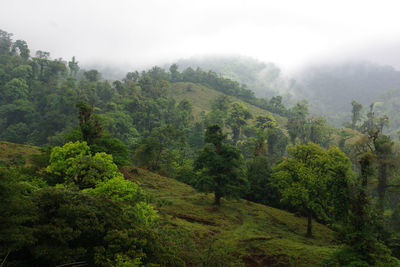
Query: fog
pixel 143 33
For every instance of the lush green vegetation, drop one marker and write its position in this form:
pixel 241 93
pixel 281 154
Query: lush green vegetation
pixel 95 192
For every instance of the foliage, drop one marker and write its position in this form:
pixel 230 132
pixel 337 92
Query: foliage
pixel 76 164
pixel 362 232
pixel 315 182
pixel 382 147
pixel 356 113
pixel 268 129
pixel 108 225
pixel 162 149
pixel 220 166
pixel 305 129
pixel 262 188
pixel 124 191
pixel 17 210
pixel 75 227
pixel 238 115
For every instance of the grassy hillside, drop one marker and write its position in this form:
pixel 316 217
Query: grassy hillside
pixel 16 153
pixel 260 235
pixel 265 79
pixel 200 96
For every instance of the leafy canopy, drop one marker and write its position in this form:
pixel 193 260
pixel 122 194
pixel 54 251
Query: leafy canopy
pixel 75 162
pixel 220 167
pixel 315 181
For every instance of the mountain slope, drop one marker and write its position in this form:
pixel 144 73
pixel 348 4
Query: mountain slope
pixel 330 88
pixel 264 79
pixel 260 235
pixel 11 153
pixel 200 97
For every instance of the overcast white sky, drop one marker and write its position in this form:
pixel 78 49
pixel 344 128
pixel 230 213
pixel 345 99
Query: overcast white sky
pixel 146 32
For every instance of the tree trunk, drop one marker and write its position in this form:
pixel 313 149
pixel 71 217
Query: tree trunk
pixel 217 198
pixel 155 167
pixel 309 225
pixel 382 184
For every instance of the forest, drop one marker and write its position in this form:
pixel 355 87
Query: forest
pixel 186 167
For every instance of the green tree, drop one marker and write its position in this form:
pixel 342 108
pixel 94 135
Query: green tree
pixel 361 233
pixel 262 188
pixel 92 75
pixel 23 72
pixel 42 60
pixel 100 230
pixel 73 67
pixel 315 181
pixel 89 124
pixel 21 48
pixel 15 89
pixel 75 163
pixel 129 193
pixel 297 121
pixel 355 113
pixel 237 118
pixel 381 146
pixel 220 166
pixel 318 131
pixel 175 74
pixel 276 140
pixel 5 42
pixel 17 211
pixel 92 132
pixel 265 122
pixel 158 149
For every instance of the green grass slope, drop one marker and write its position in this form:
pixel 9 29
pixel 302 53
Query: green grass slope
pixel 16 153
pixel 200 97
pixel 260 235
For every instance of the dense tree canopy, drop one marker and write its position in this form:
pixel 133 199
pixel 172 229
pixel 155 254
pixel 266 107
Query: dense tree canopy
pixel 316 182
pixel 220 167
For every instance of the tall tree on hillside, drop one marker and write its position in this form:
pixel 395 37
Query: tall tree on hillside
pixel 73 67
pixel 355 113
pixel 318 131
pixel 92 75
pixel 237 119
pixel 176 76
pixel 296 122
pixel 315 182
pixel 21 47
pixel 268 128
pixel 381 146
pixel 42 60
pixel 361 233
pixel 89 123
pixel 91 131
pixel 159 147
pixel 220 166
pixel 5 42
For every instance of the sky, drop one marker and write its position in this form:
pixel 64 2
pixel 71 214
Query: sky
pixel 150 32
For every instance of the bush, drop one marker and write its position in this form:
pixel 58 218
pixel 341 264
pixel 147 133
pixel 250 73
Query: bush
pixel 72 226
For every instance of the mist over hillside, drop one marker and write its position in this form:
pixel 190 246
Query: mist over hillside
pixel 199 133
pixel 330 88
pixel 265 79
